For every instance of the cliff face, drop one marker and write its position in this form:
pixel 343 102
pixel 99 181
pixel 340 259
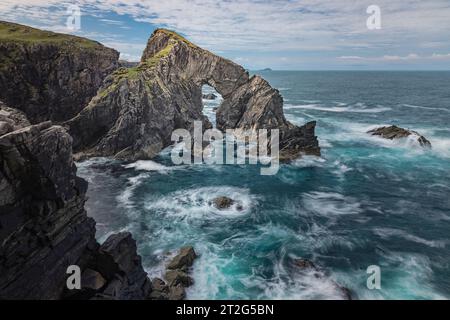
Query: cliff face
pixel 50 76
pixel 137 109
pixel 43 225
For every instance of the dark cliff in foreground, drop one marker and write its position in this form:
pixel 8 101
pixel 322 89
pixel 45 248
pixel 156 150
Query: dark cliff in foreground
pixel 50 76
pixel 135 112
pixel 44 227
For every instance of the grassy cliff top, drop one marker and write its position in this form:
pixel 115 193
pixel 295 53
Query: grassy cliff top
pixel 12 32
pixel 175 36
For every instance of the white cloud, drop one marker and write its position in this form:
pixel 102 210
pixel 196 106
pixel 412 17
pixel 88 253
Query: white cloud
pixel 439 56
pixel 269 25
pixel 303 30
pixel 388 58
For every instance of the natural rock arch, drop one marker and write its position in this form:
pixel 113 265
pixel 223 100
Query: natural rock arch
pixel 135 112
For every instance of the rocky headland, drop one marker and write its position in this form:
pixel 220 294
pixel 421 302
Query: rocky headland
pixel 50 76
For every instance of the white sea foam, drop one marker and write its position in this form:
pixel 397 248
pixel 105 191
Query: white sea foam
pixel 288 283
pixel 148 165
pixel 387 233
pixel 409 278
pixel 124 198
pixel 295 119
pixel 309 162
pixel 341 169
pixel 325 143
pixel 351 131
pixel 357 108
pixel 209 273
pixel 198 203
pixel 330 204
pixel 425 108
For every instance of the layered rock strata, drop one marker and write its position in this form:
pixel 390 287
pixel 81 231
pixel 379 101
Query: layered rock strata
pixel 394 132
pixel 44 227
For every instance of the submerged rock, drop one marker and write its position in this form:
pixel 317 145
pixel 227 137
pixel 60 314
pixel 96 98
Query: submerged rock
pixel 137 109
pixel 176 276
pixel 50 76
pixel 223 203
pixel 304 264
pixel 45 228
pixel 394 132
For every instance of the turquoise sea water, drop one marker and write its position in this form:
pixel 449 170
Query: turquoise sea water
pixel 366 201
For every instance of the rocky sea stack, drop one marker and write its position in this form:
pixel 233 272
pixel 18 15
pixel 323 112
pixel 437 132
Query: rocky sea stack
pixel 394 132
pixel 137 109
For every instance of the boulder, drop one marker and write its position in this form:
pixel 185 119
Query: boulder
pixel 304 264
pixel 183 260
pixel 160 291
pixel 394 132
pixel 222 203
pixel 177 292
pixel 176 277
pixel 92 280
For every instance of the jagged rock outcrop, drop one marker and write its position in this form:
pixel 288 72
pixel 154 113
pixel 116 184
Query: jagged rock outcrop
pixel 114 272
pixel 394 132
pixel 137 109
pixel 50 76
pixel 11 119
pixel 44 227
pixel 177 277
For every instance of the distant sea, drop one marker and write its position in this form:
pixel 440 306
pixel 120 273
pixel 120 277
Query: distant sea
pixel 366 201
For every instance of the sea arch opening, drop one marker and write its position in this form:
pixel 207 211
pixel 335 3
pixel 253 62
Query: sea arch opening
pixel 211 100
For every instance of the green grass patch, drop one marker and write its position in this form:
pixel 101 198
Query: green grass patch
pixel 24 34
pixel 176 36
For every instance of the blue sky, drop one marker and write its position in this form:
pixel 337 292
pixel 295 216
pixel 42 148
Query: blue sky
pixel 281 34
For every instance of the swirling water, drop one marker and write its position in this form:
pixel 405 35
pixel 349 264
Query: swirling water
pixel 366 201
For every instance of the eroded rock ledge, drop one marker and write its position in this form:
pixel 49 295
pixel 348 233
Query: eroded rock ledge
pixel 137 109
pixel 394 132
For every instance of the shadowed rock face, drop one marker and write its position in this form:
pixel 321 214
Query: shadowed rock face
pixel 44 227
pixel 137 109
pixel 50 76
